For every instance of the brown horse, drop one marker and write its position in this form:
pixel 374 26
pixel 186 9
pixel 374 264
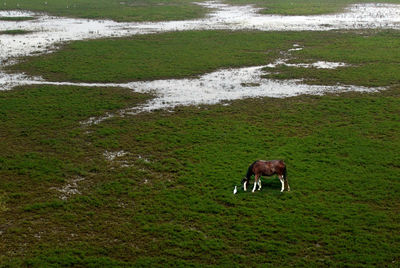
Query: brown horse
pixel 266 168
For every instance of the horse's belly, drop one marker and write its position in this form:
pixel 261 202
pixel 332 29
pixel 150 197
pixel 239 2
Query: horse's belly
pixel 268 173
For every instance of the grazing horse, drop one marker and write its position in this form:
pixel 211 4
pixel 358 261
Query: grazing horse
pixel 266 168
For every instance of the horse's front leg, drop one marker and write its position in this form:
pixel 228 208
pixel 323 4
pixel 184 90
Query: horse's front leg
pixel 256 179
pixel 282 182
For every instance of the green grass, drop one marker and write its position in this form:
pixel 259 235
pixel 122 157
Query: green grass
pixel 14 32
pixel 32 120
pixel 16 18
pixel 183 54
pixel 372 59
pixel 177 207
pixel 303 7
pixel 159 10
pixel 2 202
pixel 176 54
pixel 127 10
pixel 169 201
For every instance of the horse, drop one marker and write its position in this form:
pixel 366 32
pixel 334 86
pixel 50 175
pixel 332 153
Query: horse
pixel 266 168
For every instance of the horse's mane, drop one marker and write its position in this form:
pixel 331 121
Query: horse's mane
pixel 250 170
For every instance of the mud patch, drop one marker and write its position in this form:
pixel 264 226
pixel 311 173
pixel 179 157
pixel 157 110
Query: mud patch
pixel 116 158
pixel 3 206
pixel 111 156
pixel 69 189
pixel 144 159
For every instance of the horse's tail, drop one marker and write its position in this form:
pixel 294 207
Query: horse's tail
pixel 285 179
pixel 284 173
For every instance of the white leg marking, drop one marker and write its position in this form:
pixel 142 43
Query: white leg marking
pixel 259 184
pixel 244 186
pixel 255 185
pixel 282 183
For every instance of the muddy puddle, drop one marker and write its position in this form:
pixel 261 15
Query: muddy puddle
pixel 46 32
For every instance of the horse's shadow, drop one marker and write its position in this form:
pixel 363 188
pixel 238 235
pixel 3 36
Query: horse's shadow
pixel 270 183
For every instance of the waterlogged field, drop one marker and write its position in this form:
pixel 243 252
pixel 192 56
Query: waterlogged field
pixel 155 188
pixel 185 54
pixel 127 10
pixel 16 19
pixel 14 32
pixel 303 7
pixel 161 10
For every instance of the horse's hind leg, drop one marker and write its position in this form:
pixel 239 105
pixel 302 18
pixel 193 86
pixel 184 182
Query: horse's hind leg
pixel 282 182
pixel 287 185
pixel 259 183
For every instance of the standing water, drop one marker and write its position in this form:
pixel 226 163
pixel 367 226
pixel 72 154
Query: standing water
pixel 46 32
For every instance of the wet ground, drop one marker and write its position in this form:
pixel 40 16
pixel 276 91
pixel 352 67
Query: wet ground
pixel 46 32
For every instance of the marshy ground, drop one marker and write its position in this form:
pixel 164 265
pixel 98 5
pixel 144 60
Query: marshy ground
pixel 155 188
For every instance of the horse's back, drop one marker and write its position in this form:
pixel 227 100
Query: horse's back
pixel 270 167
pixel 272 163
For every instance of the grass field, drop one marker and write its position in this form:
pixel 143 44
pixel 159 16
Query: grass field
pixel 128 10
pixel 159 10
pixel 303 7
pixel 14 32
pixel 155 189
pixel 169 201
pixel 16 19
pixel 185 54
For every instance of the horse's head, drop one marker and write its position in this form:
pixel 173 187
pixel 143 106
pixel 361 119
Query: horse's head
pixel 245 181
